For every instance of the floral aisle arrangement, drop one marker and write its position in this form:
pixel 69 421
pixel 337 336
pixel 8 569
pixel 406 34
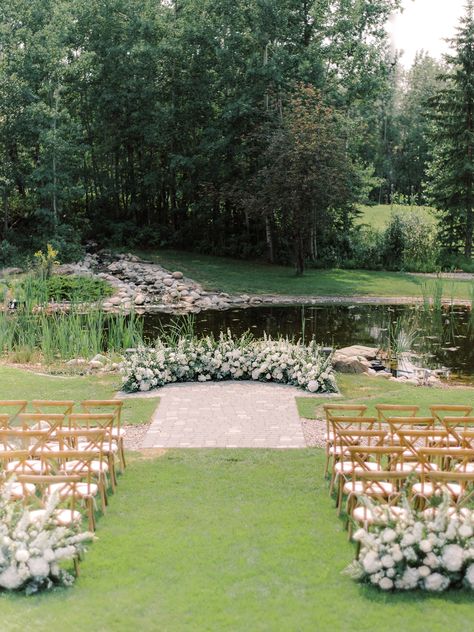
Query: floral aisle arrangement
pixel 190 359
pixel 32 548
pixel 431 550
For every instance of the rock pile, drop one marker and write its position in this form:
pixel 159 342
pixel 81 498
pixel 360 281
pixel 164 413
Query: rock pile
pixel 358 359
pixel 142 285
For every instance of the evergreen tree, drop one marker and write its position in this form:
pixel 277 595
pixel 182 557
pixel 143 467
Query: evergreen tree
pixel 451 172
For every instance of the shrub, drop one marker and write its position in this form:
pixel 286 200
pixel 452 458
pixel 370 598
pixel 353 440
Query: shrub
pixel 429 550
pixel 191 359
pixel 78 289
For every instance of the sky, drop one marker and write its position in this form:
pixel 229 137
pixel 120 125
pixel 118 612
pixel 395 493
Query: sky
pixel 423 25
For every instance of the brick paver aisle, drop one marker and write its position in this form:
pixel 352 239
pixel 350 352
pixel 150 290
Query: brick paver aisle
pixel 226 415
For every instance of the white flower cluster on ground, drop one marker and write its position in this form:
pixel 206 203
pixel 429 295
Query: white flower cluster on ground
pixel 32 548
pixel 228 358
pixel 431 550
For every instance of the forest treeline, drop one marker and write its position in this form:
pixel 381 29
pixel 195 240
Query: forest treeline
pixel 249 128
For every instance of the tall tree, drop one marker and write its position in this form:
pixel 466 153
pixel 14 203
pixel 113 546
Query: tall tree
pixel 451 172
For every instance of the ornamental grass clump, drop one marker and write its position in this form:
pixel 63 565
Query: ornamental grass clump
pixel 33 548
pixel 430 550
pixel 227 358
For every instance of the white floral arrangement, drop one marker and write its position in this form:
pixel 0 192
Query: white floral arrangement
pixel 226 358
pixel 33 548
pixel 431 550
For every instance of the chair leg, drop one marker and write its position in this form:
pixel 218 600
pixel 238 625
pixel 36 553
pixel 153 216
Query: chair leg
pixel 90 513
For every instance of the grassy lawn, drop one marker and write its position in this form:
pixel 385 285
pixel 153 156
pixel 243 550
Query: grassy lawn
pixel 236 276
pixel 361 389
pixel 20 384
pixel 226 540
pixel 378 216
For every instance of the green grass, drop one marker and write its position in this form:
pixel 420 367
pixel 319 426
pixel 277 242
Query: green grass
pixel 235 276
pixel 362 389
pixel 217 540
pixel 20 384
pixel 378 216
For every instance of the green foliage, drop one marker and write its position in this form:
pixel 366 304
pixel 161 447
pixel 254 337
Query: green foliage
pixel 451 171
pixel 74 288
pixel 128 121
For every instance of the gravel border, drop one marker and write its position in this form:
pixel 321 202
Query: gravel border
pixel 134 435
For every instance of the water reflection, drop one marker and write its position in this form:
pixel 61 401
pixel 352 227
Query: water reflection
pixel 446 338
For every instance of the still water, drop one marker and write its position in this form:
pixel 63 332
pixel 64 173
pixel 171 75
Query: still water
pixel 443 339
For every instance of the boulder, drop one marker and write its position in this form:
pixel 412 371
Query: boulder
pixel 350 364
pixel 115 300
pixel 177 275
pixel 369 353
pixel 139 299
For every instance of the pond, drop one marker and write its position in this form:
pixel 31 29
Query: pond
pixel 443 339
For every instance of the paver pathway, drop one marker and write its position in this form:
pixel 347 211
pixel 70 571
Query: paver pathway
pixel 226 415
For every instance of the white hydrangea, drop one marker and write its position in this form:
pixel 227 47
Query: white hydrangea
pixel 453 557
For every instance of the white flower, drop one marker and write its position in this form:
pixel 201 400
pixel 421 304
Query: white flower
pixel 371 563
pixel 389 535
pixel 410 578
pixel 386 583
pixel 408 539
pixel 22 555
pixel 465 531
pixel 469 576
pixel 424 571
pixel 387 561
pixel 38 566
pixel 436 582
pixel 313 386
pixel 10 578
pixel 453 557
pixel 426 546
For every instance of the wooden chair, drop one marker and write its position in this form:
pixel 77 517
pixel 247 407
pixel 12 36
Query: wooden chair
pixel 17 490
pixel 85 489
pixel 457 426
pixel 445 457
pixel 384 507
pixel 413 440
pixel 343 467
pixel 113 406
pixel 99 421
pixel 88 441
pixel 385 458
pixel 64 406
pixel 13 407
pixel 440 411
pixel 338 410
pixel 408 423
pixel 384 411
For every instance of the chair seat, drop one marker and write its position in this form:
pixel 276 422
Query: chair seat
pixel 443 440
pixel 21 490
pixel 432 512
pixel 464 467
pixel 62 517
pixel 347 467
pixel 29 466
pixel 414 466
pixel 374 489
pixel 427 489
pixel 81 489
pixel 379 514
pixel 120 432
pixel 80 466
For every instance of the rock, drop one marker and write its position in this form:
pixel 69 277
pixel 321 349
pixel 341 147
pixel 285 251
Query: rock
pixel 168 281
pixel 369 353
pixel 76 362
pixel 139 299
pixel 115 300
pixel 94 364
pixel 114 267
pixel 371 372
pixel 177 275
pixel 433 381
pixel 412 380
pixel 255 300
pixel 384 374
pixel 245 298
pixel 350 364
pixel 99 358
